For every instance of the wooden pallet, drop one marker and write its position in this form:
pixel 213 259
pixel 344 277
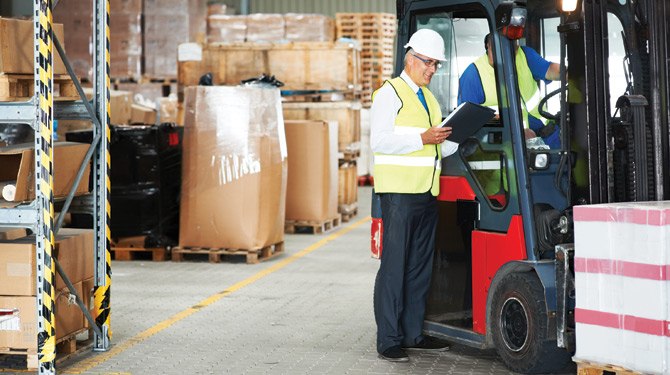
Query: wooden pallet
pixel 21 87
pixel 130 248
pixel 594 368
pixel 348 211
pixel 26 359
pixel 348 155
pixel 362 26
pixel 312 227
pixel 216 254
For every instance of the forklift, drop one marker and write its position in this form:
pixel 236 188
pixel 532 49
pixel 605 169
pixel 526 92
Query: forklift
pixel 503 267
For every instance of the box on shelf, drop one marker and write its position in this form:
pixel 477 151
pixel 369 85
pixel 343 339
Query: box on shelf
pixel 265 27
pixel 17 47
pixel 309 27
pixel 621 261
pixel 312 170
pixel 17 164
pixel 234 168
pixel 226 29
pixel 12 233
pixel 333 66
pixel 72 247
pixel 346 113
pixel 19 329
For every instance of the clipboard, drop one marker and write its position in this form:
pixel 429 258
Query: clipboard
pixel 466 120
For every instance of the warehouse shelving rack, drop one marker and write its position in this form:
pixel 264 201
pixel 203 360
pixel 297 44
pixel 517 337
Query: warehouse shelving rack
pixel 38 215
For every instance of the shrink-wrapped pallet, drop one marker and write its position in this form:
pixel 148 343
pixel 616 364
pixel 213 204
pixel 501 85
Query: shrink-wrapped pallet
pixel 227 29
pixel 234 168
pixel 265 27
pixel 125 48
pixel 621 284
pixel 309 27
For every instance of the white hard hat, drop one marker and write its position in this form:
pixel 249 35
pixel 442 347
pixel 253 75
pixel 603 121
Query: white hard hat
pixel 428 43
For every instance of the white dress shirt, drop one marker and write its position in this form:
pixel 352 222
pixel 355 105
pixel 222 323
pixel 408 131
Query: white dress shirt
pixel 383 112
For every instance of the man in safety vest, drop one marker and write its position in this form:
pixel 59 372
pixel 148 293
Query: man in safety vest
pixel 478 85
pixel 408 148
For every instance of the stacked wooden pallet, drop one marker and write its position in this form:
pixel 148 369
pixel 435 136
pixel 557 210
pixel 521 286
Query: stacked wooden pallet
pixel 376 33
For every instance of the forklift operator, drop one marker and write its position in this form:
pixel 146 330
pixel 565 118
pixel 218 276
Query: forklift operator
pixel 478 85
pixel 408 148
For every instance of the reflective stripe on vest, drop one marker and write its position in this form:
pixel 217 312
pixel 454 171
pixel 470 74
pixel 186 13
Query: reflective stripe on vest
pixel 418 171
pixel 530 94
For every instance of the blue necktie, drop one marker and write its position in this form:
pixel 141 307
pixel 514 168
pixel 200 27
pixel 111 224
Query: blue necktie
pixel 422 99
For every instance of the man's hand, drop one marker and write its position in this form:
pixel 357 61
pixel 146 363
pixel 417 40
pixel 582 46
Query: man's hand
pixel 529 134
pixel 435 135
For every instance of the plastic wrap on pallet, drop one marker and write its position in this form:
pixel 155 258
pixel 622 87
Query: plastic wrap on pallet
pixel 309 27
pixel 621 284
pixel 226 29
pixel 125 55
pixel 145 181
pixel 265 27
pixel 235 168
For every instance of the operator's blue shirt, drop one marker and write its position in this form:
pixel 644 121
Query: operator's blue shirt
pixel 470 89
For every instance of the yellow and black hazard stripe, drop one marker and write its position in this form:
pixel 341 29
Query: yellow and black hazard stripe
pixel 46 339
pixel 102 294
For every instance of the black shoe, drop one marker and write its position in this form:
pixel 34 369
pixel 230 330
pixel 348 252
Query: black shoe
pixel 429 345
pixel 394 354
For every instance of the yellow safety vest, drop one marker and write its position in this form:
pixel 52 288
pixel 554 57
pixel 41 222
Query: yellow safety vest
pixel 418 171
pixel 530 94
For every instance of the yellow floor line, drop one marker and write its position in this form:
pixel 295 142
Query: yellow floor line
pixel 87 364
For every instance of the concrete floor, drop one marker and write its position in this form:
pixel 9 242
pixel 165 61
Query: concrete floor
pixel 308 311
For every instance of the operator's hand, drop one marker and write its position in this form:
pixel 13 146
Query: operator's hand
pixel 435 135
pixel 530 134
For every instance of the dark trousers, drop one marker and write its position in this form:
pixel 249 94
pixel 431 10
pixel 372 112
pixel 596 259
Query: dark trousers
pixel 403 280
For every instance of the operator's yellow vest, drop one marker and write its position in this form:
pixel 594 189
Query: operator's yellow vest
pixel 418 171
pixel 530 94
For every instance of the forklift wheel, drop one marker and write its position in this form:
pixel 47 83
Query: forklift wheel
pixel 519 326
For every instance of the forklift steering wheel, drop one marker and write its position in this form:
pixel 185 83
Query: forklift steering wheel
pixel 543 102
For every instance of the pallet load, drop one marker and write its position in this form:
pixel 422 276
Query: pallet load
pixel 311 199
pixel 290 27
pixel 621 283
pixel 145 187
pixel 376 33
pixel 167 23
pixel 73 248
pixel 234 173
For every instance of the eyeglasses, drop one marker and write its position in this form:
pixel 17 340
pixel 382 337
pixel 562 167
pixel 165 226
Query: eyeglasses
pixel 430 64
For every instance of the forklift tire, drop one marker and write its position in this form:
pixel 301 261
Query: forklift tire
pixel 519 326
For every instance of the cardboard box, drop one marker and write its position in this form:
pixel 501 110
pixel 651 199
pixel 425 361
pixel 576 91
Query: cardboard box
pixel 17 49
pixel 119 105
pixel 226 29
pixel 17 164
pixel 347 192
pixel 300 65
pixel 265 27
pixel 19 330
pixel 234 168
pixel 88 296
pixel 124 6
pixel 12 233
pixel 622 254
pixel 312 170
pixel 142 114
pixel 309 27
pixel 347 115
pixel 73 248
pixel 168 109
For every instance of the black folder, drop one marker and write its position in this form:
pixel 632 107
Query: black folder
pixel 466 120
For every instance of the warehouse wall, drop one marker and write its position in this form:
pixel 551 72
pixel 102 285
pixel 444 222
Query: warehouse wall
pixel 329 7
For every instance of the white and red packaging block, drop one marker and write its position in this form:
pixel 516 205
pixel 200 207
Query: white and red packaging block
pixel 622 271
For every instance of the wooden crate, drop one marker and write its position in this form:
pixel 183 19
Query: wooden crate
pixel 347 114
pixel 299 65
pixel 347 193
